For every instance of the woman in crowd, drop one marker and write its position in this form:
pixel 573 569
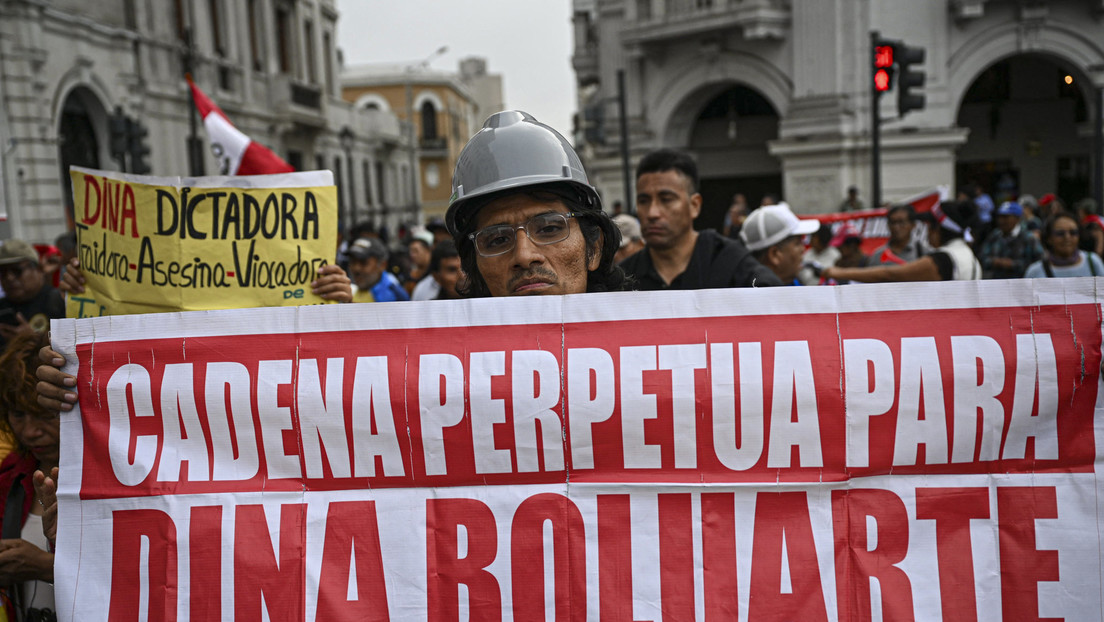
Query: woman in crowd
pixel 951 260
pixel 1063 258
pixel 26 566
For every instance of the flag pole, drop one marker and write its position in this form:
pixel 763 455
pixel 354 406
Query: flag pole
pixel 195 146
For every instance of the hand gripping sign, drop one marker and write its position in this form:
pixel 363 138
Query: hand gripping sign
pixel 152 244
pixel 912 451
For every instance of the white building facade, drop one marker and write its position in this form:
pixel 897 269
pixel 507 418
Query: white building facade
pixel 774 96
pixel 272 66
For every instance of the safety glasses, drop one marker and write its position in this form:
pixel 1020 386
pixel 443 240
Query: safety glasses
pixel 542 229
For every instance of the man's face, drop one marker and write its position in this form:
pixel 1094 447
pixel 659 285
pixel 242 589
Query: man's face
pixel 528 268
pixel 666 208
pixel 21 281
pixel 787 258
pixel 1007 222
pixel 900 228
pixel 365 273
pixel 419 254
pixel 447 275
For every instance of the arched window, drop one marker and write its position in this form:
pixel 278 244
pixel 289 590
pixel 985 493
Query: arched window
pixel 429 121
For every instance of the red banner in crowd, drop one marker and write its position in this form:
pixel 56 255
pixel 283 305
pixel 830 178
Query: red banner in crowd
pixel 920 451
pixel 871 224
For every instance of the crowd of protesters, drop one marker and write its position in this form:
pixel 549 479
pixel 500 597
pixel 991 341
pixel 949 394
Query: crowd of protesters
pixel 517 237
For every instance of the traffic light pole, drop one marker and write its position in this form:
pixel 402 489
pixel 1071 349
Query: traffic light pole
pixel 875 129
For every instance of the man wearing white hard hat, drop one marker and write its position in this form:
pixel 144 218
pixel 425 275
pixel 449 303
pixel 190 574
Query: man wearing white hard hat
pixel 775 237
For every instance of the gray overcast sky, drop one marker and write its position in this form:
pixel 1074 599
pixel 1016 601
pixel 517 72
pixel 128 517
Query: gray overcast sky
pixel 527 42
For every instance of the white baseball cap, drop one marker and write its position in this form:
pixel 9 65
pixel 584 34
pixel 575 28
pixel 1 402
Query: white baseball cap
pixel 771 224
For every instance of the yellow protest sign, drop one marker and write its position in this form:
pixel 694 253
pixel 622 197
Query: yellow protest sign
pixel 153 244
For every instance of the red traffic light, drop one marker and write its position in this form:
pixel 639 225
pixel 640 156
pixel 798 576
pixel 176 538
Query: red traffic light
pixel 883 57
pixel 881 80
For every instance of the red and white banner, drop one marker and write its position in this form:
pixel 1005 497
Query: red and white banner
pixel 871 224
pixel 237 153
pixel 885 452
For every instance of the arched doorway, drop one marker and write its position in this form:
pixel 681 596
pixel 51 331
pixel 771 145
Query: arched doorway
pixel 730 138
pixel 1030 130
pixel 78 144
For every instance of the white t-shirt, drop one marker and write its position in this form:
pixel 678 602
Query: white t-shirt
pixel 426 289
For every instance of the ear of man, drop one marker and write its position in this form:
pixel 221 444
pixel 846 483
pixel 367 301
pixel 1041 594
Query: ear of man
pixel 594 258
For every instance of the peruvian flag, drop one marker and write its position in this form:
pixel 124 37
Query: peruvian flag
pixel 237 153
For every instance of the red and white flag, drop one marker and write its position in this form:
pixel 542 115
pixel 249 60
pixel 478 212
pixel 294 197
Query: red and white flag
pixel 237 153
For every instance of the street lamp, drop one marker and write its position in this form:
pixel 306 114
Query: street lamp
pixel 348 139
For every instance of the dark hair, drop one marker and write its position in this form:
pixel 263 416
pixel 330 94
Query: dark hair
pixel 595 224
pixel 362 229
pixel 66 242
pixel 445 249
pixel 662 160
pixel 824 234
pixel 17 367
pixel 1048 226
pixel 903 207
pixel 962 213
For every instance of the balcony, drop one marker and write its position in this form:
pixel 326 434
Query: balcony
pixel 660 20
pixel 433 146
pixel 306 96
pixel 297 102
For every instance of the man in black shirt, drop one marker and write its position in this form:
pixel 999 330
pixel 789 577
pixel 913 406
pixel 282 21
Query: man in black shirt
pixel 29 301
pixel 677 256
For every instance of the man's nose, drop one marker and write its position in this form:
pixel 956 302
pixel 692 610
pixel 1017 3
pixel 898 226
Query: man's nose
pixel 526 251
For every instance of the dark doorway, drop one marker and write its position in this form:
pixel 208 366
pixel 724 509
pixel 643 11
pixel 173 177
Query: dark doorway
pixel 1030 129
pixel 77 142
pixel 730 139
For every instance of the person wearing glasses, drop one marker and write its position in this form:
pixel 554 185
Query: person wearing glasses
pixel 29 301
pixel 525 219
pixel 677 256
pixel 1063 258
pixel 900 247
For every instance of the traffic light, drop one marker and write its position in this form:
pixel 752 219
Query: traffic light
pixel 137 147
pixel 909 78
pixel 883 65
pixel 119 125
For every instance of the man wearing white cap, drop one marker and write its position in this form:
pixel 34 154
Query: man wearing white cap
pixel 775 237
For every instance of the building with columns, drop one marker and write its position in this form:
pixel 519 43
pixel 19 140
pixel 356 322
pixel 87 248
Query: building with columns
pixel 272 66
pixel 774 96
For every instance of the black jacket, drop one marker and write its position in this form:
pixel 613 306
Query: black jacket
pixel 717 261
